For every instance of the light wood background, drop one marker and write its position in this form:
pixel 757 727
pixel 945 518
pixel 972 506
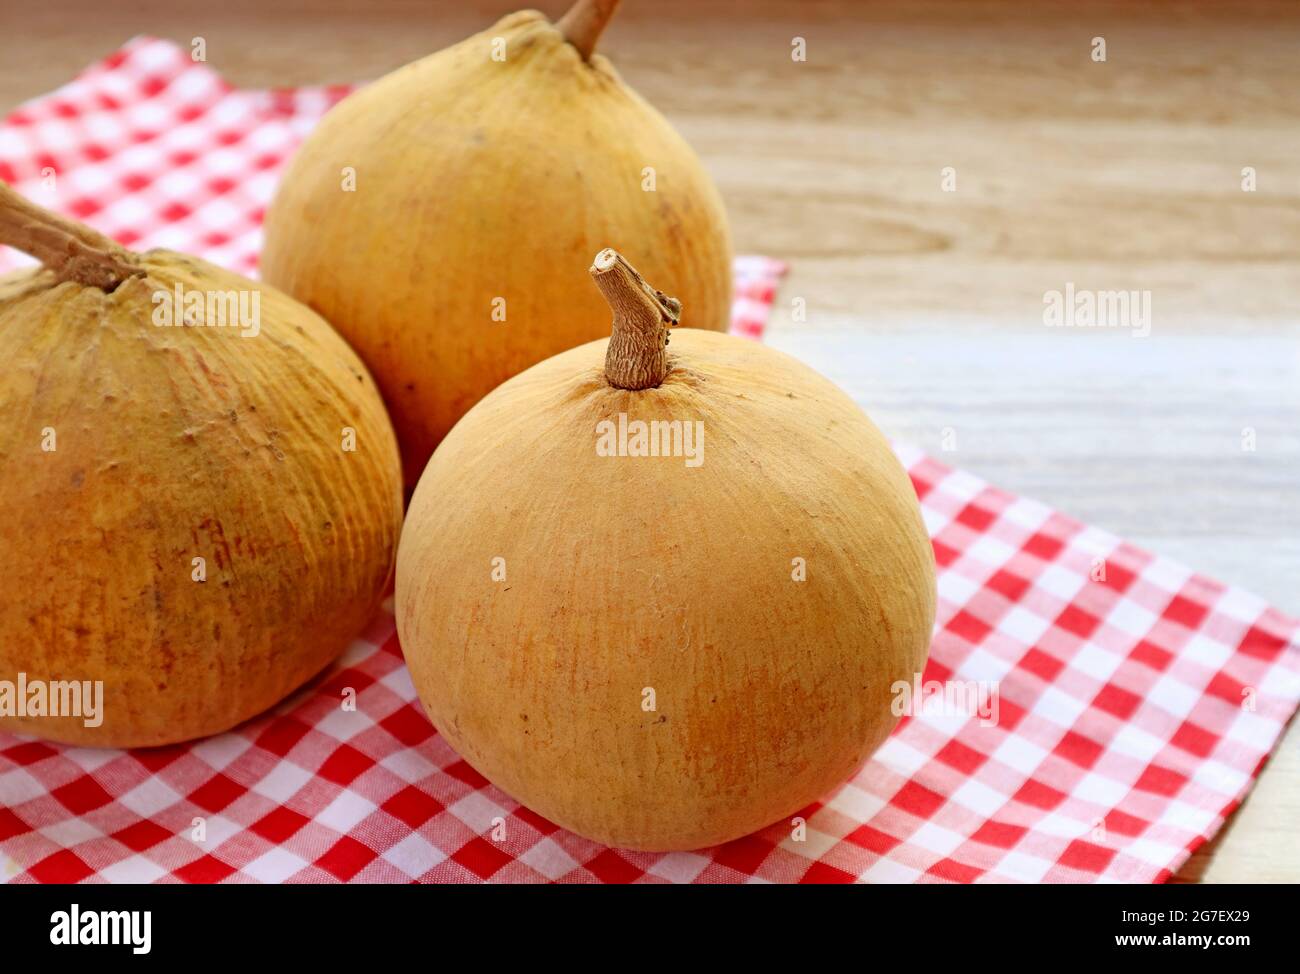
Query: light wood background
pixel 927 305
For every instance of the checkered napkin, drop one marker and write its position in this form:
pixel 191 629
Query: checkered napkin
pixel 1136 701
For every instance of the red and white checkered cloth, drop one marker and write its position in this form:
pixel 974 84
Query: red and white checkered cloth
pixel 1137 701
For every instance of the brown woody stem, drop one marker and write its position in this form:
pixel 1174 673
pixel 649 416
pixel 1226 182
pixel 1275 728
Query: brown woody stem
pixel 582 25
pixel 637 356
pixel 73 251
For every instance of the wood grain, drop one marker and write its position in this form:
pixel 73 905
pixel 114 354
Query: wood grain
pixel 927 305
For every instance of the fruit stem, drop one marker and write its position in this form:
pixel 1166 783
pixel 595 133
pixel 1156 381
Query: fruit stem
pixel 637 356
pixel 73 251
pixel 583 24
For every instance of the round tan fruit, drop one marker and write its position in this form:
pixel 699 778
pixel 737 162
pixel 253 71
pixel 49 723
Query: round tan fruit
pixel 440 217
pixel 181 517
pixel 664 651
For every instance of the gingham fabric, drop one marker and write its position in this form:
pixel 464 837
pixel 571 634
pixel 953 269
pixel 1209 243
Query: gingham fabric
pixel 1136 700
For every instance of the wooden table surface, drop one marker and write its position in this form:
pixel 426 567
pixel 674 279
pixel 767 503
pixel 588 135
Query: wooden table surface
pixel 927 305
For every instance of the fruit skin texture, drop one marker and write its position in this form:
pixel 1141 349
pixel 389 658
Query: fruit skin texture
pixel 174 443
pixel 477 180
pixel 624 573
